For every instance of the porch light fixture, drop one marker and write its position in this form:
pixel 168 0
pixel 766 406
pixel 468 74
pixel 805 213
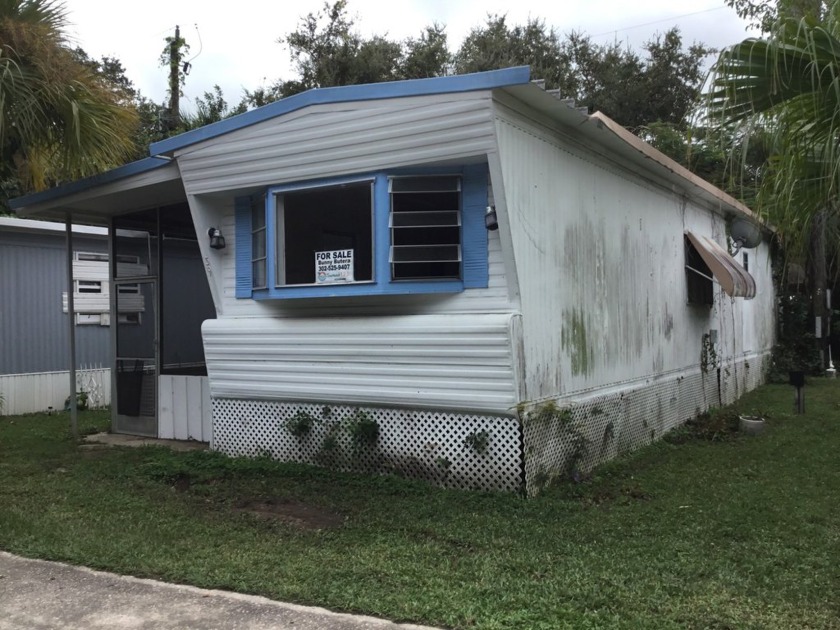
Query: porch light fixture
pixel 490 220
pixel 217 241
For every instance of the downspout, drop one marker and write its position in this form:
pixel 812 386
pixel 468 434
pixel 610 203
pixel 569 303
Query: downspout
pixel 71 312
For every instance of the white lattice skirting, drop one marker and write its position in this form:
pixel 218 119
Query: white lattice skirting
pixel 597 428
pixel 473 451
pixel 454 450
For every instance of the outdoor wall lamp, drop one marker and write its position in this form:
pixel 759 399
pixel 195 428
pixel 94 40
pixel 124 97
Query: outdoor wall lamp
pixel 217 241
pixel 490 220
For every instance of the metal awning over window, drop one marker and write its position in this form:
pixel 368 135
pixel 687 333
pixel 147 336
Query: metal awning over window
pixel 735 280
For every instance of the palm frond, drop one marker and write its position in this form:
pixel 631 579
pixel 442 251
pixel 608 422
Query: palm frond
pixel 58 120
pixel 788 84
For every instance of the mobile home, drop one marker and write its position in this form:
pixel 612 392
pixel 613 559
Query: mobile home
pixel 462 278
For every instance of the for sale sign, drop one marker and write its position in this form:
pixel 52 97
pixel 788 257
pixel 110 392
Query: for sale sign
pixel 334 266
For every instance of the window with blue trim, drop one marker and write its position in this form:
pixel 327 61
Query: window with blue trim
pixel 324 235
pixel 408 231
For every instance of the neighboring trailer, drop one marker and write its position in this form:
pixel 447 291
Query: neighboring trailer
pixel 461 279
pixel 34 330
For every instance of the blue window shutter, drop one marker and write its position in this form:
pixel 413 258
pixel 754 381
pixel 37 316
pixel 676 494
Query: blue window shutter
pixel 474 246
pixel 242 225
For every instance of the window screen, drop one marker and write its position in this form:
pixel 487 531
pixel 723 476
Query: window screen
pixel 425 223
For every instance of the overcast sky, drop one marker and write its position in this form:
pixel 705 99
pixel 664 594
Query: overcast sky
pixel 235 44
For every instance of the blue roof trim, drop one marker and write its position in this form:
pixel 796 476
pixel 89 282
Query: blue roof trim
pixel 127 170
pixel 349 93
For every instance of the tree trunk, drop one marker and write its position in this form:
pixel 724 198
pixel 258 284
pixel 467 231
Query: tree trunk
pixel 819 285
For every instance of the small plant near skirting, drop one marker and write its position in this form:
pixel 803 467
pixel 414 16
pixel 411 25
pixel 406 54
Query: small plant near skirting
pixel 300 424
pixel 330 444
pixel 478 441
pixel 714 425
pixel 81 401
pixel 561 422
pixel 546 413
pixel 364 430
pixel 708 355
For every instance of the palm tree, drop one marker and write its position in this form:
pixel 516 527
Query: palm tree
pixel 58 119
pixel 788 86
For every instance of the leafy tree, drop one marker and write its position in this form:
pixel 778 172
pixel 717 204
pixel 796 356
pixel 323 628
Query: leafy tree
pixel 672 77
pixel 328 51
pixel 111 71
pixel 58 118
pixel 210 108
pixel 608 79
pixel 633 90
pixel 426 56
pixel 763 14
pixel 497 45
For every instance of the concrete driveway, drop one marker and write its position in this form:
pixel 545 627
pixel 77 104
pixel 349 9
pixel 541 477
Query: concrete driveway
pixel 40 595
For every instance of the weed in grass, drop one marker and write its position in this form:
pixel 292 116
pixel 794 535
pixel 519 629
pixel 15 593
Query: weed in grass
pixel 714 425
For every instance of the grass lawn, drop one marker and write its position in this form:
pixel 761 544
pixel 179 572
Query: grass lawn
pixel 743 532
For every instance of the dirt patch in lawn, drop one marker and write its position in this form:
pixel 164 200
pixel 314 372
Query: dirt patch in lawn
pixel 292 512
pixel 93 450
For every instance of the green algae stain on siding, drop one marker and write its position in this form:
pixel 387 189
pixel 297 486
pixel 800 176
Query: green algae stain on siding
pixel 574 341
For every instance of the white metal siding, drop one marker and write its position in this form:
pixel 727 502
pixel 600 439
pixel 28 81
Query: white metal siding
pixel 599 254
pixel 462 362
pixel 328 140
pixel 184 408
pixel 32 393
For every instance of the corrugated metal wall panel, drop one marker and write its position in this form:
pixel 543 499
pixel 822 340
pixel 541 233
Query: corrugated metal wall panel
pixel 32 393
pixel 33 330
pixel 437 361
pixel 600 260
pixel 326 140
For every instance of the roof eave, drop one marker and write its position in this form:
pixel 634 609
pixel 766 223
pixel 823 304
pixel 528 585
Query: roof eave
pixel 123 186
pixel 82 185
pixel 652 157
